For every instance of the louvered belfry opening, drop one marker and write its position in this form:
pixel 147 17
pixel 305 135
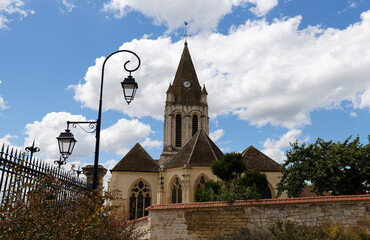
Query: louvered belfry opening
pixel 195 125
pixel 178 130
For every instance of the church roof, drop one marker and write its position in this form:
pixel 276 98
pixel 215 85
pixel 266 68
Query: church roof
pixel 199 151
pixel 186 72
pixel 256 160
pixel 136 160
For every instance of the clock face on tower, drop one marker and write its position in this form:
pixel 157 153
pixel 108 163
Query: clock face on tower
pixel 186 84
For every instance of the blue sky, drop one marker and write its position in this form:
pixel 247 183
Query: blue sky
pixel 275 71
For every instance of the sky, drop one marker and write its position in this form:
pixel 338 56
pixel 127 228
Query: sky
pixel 276 71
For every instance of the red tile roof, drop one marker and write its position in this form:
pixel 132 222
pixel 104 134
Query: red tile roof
pixel 258 202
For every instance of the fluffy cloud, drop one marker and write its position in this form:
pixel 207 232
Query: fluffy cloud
pixel 150 143
pixel 2 101
pixel 7 141
pixel 204 14
pixel 217 134
pixel 9 7
pixel 120 136
pixel 115 139
pixel 66 5
pixel 265 73
pixel 274 148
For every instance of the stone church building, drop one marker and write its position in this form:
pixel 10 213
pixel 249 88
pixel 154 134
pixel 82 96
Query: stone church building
pixel 188 152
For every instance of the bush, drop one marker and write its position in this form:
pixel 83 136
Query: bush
pixel 44 214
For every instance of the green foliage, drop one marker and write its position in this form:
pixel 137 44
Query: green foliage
pixel 251 178
pixel 291 231
pixel 338 168
pixel 229 169
pixel 44 215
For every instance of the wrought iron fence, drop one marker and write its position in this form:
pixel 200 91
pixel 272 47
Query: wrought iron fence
pixel 19 173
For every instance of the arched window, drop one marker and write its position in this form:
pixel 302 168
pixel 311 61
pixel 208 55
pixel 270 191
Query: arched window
pixel 195 125
pixel 200 183
pixel 266 193
pixel 178 130
pixel 139 200
pixel 176 191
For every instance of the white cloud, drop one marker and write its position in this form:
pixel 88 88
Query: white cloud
pixel 204 15
pixel 2 101
pixel 108 165
pixel 45 132
pixel 263 6
pixel 9 7
pixel 274 148
pixel 68 5
pixel 2 104
pixel 150 143
pixel 120 136
pixel 217 134
pixel 114 139
pixel 265 73
pixel 7 141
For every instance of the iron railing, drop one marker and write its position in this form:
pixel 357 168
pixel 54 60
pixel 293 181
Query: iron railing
pixel 19 173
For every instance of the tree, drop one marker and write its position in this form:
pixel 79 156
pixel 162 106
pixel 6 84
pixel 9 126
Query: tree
pixel 238 183
pixel 338 168
pixel 42 214
pixel 229 167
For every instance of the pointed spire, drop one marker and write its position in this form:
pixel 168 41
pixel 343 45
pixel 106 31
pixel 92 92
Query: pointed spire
pixel 204 91
pixel 186 87
pixel 169 90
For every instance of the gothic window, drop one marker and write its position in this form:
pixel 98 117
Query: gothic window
pixel 266 193
pixel 139 200
pixel 200 183
pixel 195 125
pixel 178 130
pixel 176 191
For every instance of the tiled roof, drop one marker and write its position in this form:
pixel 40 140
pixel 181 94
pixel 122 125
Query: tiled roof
pixel 138 220
pixel 199 151
pixel 137 160
pixel 186 72
pixel 258 161
pixel 257 202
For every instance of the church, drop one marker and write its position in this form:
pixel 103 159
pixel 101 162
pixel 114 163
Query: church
pixel 188 152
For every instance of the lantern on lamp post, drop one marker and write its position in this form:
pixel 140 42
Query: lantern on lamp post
pixel 66 143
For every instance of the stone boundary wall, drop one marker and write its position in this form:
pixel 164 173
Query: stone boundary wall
pixel 202 220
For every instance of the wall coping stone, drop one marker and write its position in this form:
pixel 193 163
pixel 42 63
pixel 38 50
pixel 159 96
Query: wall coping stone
pixel 256 202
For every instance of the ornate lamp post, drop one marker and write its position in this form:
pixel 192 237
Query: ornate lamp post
pixel 67 141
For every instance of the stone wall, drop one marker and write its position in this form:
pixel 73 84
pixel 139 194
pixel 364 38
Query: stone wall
pixel 202 220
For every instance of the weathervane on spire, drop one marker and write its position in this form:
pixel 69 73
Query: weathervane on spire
pixel 186 35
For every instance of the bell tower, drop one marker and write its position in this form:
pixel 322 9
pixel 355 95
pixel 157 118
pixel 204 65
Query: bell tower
pixel 186 109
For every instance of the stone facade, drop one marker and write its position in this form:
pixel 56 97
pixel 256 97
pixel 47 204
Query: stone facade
pixel 202 220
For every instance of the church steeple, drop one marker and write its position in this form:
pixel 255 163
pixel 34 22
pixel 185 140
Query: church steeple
pixel 186 110
pixel 186 86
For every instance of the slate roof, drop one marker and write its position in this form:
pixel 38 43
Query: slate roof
pixel 186 72
pixel 258 161
pixel 199 151
pixel 137 160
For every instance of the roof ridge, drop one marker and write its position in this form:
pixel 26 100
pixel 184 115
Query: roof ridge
pixel 213 152
pixel 192 150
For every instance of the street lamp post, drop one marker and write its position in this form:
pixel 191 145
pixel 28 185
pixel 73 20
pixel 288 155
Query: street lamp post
pixel 129 87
